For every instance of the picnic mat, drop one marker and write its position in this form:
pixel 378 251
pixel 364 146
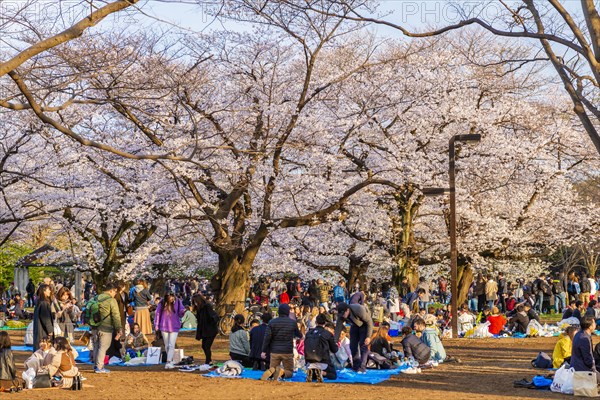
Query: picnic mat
pixel 83 357
pixel 371 377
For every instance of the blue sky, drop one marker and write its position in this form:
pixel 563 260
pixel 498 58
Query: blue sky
pixel 413 14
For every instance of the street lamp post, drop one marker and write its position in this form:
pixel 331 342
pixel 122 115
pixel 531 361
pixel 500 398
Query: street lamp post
pixel 470 138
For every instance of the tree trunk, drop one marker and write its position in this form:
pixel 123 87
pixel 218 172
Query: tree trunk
pixel 465 278
pixel 231 284
pixel 356 272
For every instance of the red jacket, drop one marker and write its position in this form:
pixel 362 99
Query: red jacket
pixel 497 322
pixel 284 298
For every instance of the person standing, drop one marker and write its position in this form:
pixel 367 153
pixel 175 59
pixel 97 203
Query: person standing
pixel 491 291
pixel 65 316
pixel 110 322
pixel 585 289
pixel 207 328
pixel 323 288
pixel 560 285
pixel 424 300
pixel 141 298
pixel 30 289
pixel 361 330
pixel 502 292
pixel 43 320
pixel 279 343
pixel 167 320
pixel 339 292
pixel 479 291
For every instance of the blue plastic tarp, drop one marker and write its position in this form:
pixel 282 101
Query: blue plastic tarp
pixel 371 377
pixel 84 352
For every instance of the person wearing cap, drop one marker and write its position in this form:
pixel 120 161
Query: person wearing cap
pixel 279 343
pixel 361 330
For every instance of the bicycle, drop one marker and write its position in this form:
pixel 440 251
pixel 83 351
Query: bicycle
pixel 228 320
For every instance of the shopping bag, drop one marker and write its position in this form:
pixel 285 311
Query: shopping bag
pixel 585 384
pixel 563 380
pixel 153 355
pixel 178 356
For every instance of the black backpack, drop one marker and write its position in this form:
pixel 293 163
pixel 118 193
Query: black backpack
pixel 543 361
pixel 586 287
pixel 315 347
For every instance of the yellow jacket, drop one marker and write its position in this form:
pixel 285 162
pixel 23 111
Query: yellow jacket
pixel 561 350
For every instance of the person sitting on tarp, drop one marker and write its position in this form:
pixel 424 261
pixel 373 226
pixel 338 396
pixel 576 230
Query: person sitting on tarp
pixel 319 344
pixel 414 347
pixel 381 343
pixel 564 346
pixel 136 343
pixel 582 358
pixel 189 320
pixel 518 322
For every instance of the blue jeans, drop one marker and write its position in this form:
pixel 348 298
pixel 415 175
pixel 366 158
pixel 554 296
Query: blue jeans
pixel 560 302
pixel 358 335
pixel 491 303
pixel 473 303
pixel 540 301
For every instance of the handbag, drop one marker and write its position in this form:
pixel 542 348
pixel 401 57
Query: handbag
pixel 42 380
pixel 585 384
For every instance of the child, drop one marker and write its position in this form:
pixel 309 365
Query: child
pixel 136 342
pixel 8 369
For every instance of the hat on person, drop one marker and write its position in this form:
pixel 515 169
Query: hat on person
pixel 284 310
pixel 342 307
pixel 430 319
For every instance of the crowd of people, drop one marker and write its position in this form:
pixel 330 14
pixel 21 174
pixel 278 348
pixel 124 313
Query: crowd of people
pixel 312 325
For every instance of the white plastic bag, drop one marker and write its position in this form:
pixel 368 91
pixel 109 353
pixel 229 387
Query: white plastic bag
pixel 585 384
pixel 482 331
pixel 534 329
pixel 178 356
pixel 136 361
pixel 28 377
pixel 29 335
pixel 563 381
pixel 153 356
pixel 114 361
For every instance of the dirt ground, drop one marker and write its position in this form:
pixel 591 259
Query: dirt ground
pixel 489 366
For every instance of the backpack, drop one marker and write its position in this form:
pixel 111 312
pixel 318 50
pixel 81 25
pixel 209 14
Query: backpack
pixel 315 347
pixel 92 315
pixel 542 361
pixel 585 285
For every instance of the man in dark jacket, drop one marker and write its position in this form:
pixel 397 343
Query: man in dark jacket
pixel 257 336
pixel 531 313
pixel 520 320
pixel 279 342
pixel 361 330
pixel 414 347
pixel 560 292
pixel 582 358
pixel 30 289
pixel 318 344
